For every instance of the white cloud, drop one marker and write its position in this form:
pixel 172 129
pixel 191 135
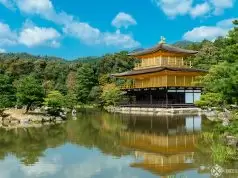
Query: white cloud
pixel 119 39
pixel 2 50
pixel 209 32
pixel 8 167
pixel 83 31
pixel 7 36
pixel 7 3
pixel 45 9
pixel 92 36
pixel 33 36
pixel 200 10
pixel 227 23
pixel 123 20
pixel 86 33
pixel 40 169
pixel 174 8
pixel 97 165
pixel 55 44
pixel 204 32
pixel 30 35
pixel 223 3
pixel 35 6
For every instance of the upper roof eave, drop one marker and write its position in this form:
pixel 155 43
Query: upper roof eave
pixel 163 47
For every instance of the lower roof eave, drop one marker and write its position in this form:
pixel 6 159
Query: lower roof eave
pixel 156 69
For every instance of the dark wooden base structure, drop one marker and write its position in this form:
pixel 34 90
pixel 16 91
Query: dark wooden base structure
pixel 163 97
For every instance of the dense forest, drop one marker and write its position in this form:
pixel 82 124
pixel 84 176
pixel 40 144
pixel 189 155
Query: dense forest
pixel 26 79
pixel 35 80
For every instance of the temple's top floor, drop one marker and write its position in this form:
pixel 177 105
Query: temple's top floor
pixel 162 55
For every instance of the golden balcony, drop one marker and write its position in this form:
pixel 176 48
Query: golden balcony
pixel 165 62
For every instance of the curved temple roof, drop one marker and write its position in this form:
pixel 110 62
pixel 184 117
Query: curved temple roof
pixel 156 69
pixel 163 47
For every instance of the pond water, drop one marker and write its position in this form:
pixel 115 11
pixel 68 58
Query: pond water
pixel 101 145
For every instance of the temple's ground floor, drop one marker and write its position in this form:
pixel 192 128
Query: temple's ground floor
pixel 162 97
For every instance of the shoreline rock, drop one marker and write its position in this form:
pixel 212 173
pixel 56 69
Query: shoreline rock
pixel 17 118
pixel 231 141
pixel 215 115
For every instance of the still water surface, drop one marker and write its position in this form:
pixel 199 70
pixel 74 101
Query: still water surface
pixel 102 145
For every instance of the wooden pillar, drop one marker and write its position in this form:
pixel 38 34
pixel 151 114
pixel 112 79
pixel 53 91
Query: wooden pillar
pixel 185 141
pixel 167 134
pixel 166 92
pixel 175 79
pixel 184 81
pixel 193 119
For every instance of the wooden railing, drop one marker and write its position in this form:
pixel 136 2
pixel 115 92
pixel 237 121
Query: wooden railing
pixel 167 63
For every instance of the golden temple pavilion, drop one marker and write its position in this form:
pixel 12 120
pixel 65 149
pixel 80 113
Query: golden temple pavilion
pixel 162 78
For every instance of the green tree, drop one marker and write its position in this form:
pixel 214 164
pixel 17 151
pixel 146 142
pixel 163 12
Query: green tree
pixel 210 100
pixel 207 56
pixel 71 100
pixel 95 95
pixel 86 79
pixel 118 62
pixel 111 95
pixel 29 91
pixel 54 100
pixel 230 51
pixel 223 80
pixel 71 81
pixel 7 92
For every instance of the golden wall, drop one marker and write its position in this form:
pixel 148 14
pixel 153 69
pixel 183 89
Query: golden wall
pixel 163 81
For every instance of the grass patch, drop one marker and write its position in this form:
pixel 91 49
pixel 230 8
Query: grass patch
pixel 211 144
pixel 221 153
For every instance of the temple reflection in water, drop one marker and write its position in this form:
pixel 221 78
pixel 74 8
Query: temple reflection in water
pixel 163 146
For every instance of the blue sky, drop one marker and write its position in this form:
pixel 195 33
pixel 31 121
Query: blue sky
pixel 76 28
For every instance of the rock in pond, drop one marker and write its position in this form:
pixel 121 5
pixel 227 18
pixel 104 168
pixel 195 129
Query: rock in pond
pixel 232 141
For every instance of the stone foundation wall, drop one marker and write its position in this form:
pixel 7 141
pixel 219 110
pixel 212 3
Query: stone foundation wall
pixel 154 111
